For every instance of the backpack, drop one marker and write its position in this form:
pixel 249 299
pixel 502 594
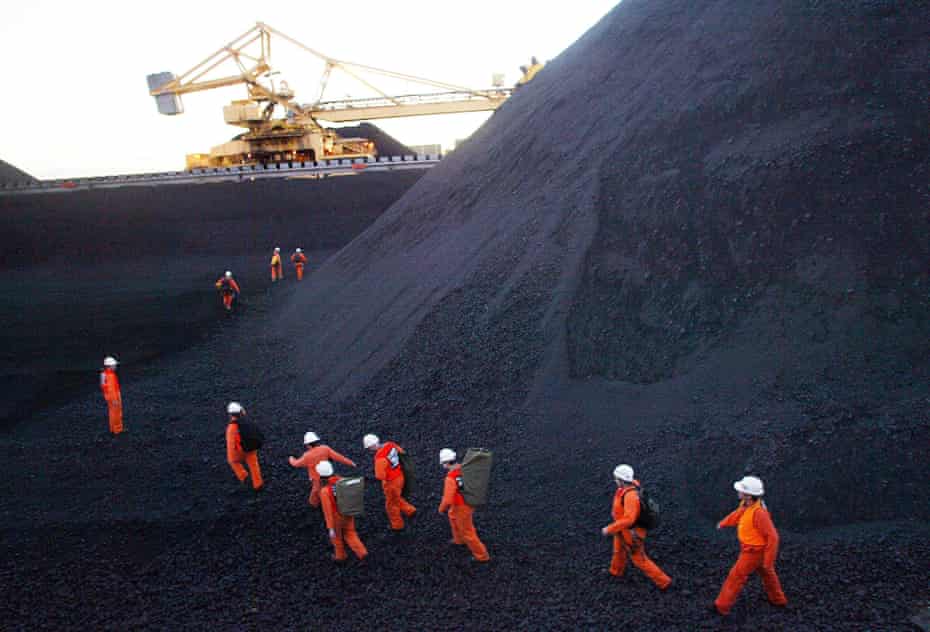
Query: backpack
pixel 250 436
pixel 406 464
pixel 350 496
pixel 648 511
pixel 476 475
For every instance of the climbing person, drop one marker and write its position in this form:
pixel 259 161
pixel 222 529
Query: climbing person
pixel 315 453
pixel 758 546
pixel 388 470
pixel 236 453
pixel 459 511
pixel 299 259
pixel 228 288
pixel 630 539
pixel 277 269
pixel 341 528
pixel 109 384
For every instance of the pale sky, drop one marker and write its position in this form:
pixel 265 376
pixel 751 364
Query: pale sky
pixel 75 102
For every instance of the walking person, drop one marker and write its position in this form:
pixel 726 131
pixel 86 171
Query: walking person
pixel 299 259
pixel 228 288
pixel 341 528
pixel 388 470
pixel 109 384
pixel 237 453
pixel 277 268
pixel 316 453
pixel 460 512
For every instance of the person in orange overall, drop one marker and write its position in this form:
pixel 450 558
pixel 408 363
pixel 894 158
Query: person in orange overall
pixel 109 384
pixel 235 455
pixel 758 546
pixel 277 269
pixel 341 528
pixel 389 471
pixel 630 540
pixel 299 259
pixel 460 512
pixel 316 453
pixel 228 288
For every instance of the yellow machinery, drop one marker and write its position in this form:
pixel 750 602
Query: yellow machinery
pixel 298 136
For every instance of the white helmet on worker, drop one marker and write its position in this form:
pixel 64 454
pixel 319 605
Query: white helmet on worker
pixel 749 485
pixel 234 408
pixel 228 274
pixel 446 456
pixel 310 437
pixel 277 250
pixel 369 441
pixel 110 361
pixel 299 250
pixel 324 468
pixel 623 473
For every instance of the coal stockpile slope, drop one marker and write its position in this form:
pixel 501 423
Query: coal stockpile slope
pixel 11 175
pixel 385 144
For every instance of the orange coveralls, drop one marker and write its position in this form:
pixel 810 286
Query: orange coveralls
pixel 109 384
pixel 625 512
pixel 229 289
pixel 391 475
pixel 310 459
pixel 758 550
pixel 277 270
pixel 300 260
pixel 460 516
pixel 341 528
pixel 235 456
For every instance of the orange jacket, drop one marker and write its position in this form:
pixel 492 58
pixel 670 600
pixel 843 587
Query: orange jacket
pixel 275 260
pixel 109 384
pixel 625 511
pixel 387 462
pixel 754 528
pixel 330 508
pixel 313 456
pixel 299 257
pixel 234 451
pixel 227 284
pixel 451 495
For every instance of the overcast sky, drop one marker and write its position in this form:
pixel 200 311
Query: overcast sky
pixel 76 103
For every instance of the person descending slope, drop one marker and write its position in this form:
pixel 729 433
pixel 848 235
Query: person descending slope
pixel 460 513
pixel 237 453
pixel 630 539
pixel 315 453
pixel 341 528
pixel 758 546
pixel 389 471
pixel 277 268
pixel 109 384
pixel 228 288
pixel 299 259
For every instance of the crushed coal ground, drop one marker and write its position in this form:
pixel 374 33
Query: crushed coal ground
pixel 11 175
pixel 696 242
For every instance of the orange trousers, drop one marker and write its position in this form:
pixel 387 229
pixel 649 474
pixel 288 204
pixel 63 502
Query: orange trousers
pixel 622 542
pixel 314 499
pixel 394 503
pixel 463 531
pixel 277 272
pixel 299 269
pixel 749 562
pixel 115 408
pixel 346 534
pixel 251 460
pixel 227 301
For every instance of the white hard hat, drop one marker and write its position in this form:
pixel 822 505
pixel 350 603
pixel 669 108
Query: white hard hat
pixel 624 473
pixel 310 437
pixel 749 485
pixel 277 250
pixel 234 408
pixel 110 361
pixel 228 274
pixel 324 468
pixel 446 456
pixel 370 440
pixel 299 250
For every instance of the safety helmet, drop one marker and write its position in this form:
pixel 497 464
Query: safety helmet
pixel 623 473
pixel 228 274
pixel 446 456
pixel 370 441
pixel 749 485
pixel 277 250
pixel 310 437
pixel 299 250
pixel 110 361
pixel 234 408
pixel 324 468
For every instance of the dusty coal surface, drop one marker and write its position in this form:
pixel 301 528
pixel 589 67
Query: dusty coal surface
pixel 11 175
pixel 696 243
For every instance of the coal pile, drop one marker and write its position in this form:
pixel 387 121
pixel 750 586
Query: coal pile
pixel 11 175
pixel 385 144
pixel 696 242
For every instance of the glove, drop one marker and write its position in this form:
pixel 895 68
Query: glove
pixel 332 534
pixel 604 531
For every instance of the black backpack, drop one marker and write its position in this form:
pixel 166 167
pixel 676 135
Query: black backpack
pixel 250 436
pixel 406 464
pixel 648 511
